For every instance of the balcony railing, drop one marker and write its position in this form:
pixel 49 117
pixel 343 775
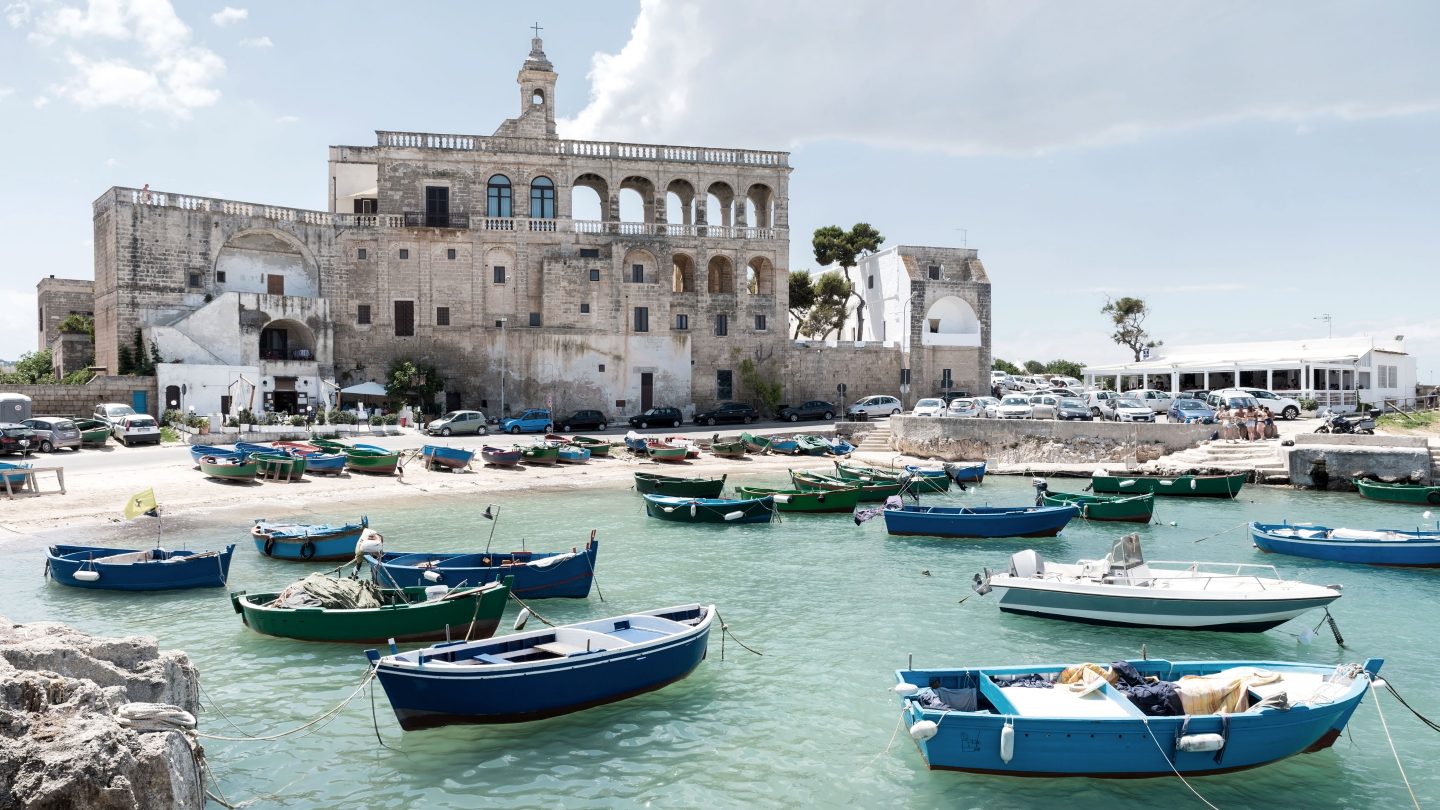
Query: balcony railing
pixel 291 354
pixel 582 149
pixel 422 219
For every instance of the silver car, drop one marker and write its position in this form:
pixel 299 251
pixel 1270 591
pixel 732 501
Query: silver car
pixel 872 407
pixel 54 433
pixel 457 423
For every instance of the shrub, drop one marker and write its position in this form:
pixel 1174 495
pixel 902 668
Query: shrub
pixel 195 420
pixel 247 417
pixel 233 421
pixel 168 434
pixel 296 421
pixel 392 419
pixel 172 416
pixel 377 419
pixel 1309 404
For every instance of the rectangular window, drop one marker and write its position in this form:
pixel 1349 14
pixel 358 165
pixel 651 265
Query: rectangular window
pixel 934 272
pixel 534 319
pixel 220 276
pixel 450 254
pixel 362 315
pixel 682 322
pixel 584 309
pixel 366 205
pixel 404 254
pixel 869 282
pixel 437 207
pixel 499 274
pixel 442 316
pixel 642 319
pixel 589 253
pixel 759 323
pixel 594 275
pixel 362 254
pixel 194 279
pixel 724 384
pixel 637 273
pixel 404 318
pixel 722 325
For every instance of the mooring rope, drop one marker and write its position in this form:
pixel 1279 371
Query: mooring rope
pixel 725 631
pixel 532 610
pixel 1386 728
pixel 1431 724
pixel 1222 531
pixel 899 721
pixel 1173 769
pixel 327 715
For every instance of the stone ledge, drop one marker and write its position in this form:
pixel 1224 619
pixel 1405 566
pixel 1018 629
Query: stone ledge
pixel 1360 440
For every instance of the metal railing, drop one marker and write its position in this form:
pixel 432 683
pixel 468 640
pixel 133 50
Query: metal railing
pixel 423 219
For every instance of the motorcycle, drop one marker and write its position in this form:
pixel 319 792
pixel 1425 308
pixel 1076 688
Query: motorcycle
pixel 1332 422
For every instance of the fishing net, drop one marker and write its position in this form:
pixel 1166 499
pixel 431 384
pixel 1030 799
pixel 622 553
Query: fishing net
pixel 319 590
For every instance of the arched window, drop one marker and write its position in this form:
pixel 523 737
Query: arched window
pixel 537 97
pixel 542 198
pixel 498 197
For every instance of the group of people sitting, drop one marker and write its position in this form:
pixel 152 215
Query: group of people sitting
pixel 1246 424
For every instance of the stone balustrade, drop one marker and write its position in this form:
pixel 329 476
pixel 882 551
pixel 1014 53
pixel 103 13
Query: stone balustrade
pixel 569 148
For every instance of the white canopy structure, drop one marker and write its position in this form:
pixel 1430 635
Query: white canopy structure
pixel 365 389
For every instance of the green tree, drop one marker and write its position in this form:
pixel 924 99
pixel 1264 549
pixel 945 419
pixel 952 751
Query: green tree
pixel 827 314
pixel 1006 366
pixel 1065 368
pixel 845 248
pixel 126 362
pixel 1128 316
pixel 414 383
pixel 33 368
pixel 802 297
pixel 768 390
pixel 1034 367
pixel 78 325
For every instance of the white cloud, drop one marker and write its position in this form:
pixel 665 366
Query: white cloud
pixel 40 102
pixel 5 91
pixel 1020 77
pixel 228 15
pixel 130 53
pixel 17 14
pixel 287 119
pixel 257 42
pixel 111 163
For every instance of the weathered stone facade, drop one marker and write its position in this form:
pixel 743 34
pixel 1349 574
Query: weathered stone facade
pixel 57 299
pixel 80 400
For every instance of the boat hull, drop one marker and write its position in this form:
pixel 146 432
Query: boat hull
pixel 213 468
pixel 652 484
pixel 279 464
pixel 597 447
pixel 567 578
pixel 373 463
pixel 472 615
pixel 451 458
pixel 574 454
pixel 540 454
pixel 710 510
pixel 203 570
pixel 499 457
pixel 1122 509
pixel 819 501
pixel 1421 552
pixel 966 473
pixel 299 542
pixel 1398 493
pixel 1188 486
pixel 1125 746
pixel 728 449
pixel 979 522
pixel 1093 606
pixel 870 492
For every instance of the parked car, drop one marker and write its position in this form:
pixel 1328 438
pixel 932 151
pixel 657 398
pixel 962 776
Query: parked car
pixel 1194 393
pixel 659 417
pixel 989 406
pixel 964 408
pixel 1231 398
pixel 875 405
pixel 136 428
pixel 112 412
pixel 594 420
pixel 457 423
pixel 1061 381
pixel 1014 407
pixel 929 406
pixel 1159 401
pixel 1128 409
pixel 54 433
pixel 1064 392
pixel 814 409
pixel 1073 408
pixel 1102 404
pixel 1187 409
pixel 728 412
pixel 1043 406
pixel 16 438
pixel 1283 407
pixel 532 420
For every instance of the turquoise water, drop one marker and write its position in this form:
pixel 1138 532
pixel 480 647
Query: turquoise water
pixel 835 609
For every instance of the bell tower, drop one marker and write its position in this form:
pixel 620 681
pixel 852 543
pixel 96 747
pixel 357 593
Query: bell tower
pixel 537 95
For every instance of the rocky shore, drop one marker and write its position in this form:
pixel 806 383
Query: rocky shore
pixel 79 727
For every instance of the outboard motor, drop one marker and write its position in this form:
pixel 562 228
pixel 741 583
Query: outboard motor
pixel 1026 564
pixel 1040 489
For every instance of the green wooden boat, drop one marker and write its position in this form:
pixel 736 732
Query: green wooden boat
pixel 227 469
pixel 1398 493
pixel 1190 486
pixel 539 453
pixel 812 445
pixel 279 464
pixel 735 449
pixel 599 448
pixel 93 432
pixel 799 500
pixel 371 461
pixel 755 444
pixel 850 471
pixel 652 484
pixel 870 491
pixel 1118 508
pixel 404 615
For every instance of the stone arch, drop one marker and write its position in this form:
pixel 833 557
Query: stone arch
pixel 682 273
pixel 951 321
pixel 719 204
pixel 760 276
pixel 498 257
pixel 537 97
pixel 637 199
pixel 680 202
pixel 249 256
pixel 647 262
pixel 287 339
pixel 589 198
pixel 720 275
pixel 760 206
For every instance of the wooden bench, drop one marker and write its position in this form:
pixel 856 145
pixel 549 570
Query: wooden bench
pixel 31 481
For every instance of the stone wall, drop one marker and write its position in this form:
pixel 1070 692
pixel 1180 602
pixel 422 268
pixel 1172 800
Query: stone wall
pixel 59 298
pixel 1335 467
pixel 80 400
pixel 71 353
pixel 813 370
pixel 1018 441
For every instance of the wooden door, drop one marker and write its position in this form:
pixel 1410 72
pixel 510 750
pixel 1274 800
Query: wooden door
pixel 647 391
pixel 275 285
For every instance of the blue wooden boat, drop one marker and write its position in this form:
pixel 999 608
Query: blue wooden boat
pixel 452 458
pixel 197 451
pixel 307 541
pixel 981 720
pixel 544 673
pixel 318 461
pixel 839 447
pixel 789 447
pixel 119 569
pixel 500 456
pixel 637 444
pixel 14 473
pixel 979 521
pixel 1418 548
pixel 927 479
pixel 538 575
pixel 679 509
pixel 966 472
pixel 249 448
pixel 573 454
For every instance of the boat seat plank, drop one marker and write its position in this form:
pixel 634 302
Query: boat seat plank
pixel 564 648
pixel 1061 702
pixel 486 658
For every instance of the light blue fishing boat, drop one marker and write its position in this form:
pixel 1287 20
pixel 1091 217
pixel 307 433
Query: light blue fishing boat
pixel 1052 720
pixel 839 447
pixel 14 474
pixel 307 541
pixel 198 451
pixel 452 458
pixel 979 521
pixel 573 454
pixel 1418 548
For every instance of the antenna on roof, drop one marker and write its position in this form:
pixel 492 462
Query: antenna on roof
pixel 1329 323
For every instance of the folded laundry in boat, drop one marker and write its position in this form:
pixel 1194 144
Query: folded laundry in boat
pixel 1034 680
pixel 942 699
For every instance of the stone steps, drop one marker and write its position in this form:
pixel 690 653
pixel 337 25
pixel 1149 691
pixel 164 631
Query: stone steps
pixel 876 441
pixel 1263 460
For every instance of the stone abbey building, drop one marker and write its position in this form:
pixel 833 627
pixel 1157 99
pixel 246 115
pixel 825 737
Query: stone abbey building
pixel 466 251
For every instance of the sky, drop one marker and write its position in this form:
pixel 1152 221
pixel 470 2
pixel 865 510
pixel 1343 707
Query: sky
pixel 1245 168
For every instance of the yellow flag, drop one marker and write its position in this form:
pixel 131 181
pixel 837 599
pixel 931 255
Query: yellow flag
pixel 139 504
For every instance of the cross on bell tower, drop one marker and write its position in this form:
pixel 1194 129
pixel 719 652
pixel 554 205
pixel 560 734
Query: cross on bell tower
pixel 537 94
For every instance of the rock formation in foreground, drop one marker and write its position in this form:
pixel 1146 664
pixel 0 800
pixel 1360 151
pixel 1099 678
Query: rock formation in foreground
pixel 63 741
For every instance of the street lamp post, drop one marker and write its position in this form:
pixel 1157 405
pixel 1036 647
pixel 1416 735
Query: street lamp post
pixel 504 352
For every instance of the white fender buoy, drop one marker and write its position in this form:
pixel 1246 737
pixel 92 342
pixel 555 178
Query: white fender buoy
pixel 692 509
pixel 924 730
pixel 905 689
pixel 87 576
pixel 1200 742
pixel 1007 742
pixel 520 619
pixel 1426 515
pixel 371 543
pixel 1306 636
pixel 1192 483
pixel 434 593
pixel 432 576
pixel 736 515
pixel 783 499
